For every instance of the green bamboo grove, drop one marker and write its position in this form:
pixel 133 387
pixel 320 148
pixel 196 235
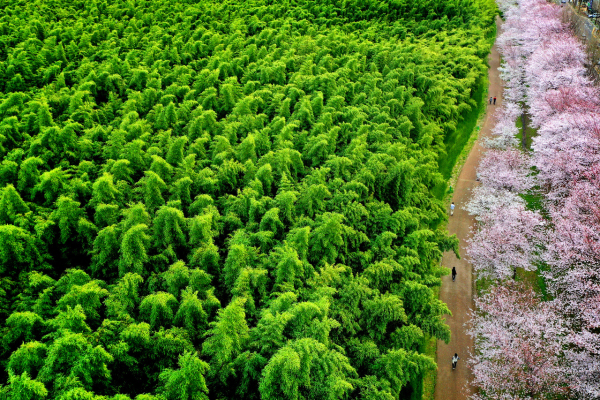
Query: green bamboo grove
pixel 224 199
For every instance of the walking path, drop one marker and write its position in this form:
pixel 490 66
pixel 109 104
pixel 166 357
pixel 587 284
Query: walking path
pixel 452 385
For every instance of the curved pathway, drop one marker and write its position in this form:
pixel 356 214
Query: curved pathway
pixel 452 385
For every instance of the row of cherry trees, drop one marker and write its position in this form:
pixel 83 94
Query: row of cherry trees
pixel 527 347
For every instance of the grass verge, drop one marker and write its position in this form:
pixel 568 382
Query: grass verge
pixel 531 133
pixel 430 378
pixel 458 147
pixel 534 279
pixel 450 169
pixel 459 143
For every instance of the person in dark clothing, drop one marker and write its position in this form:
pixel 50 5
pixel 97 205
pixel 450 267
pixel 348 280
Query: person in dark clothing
pixel 455 360
pixel 494 101
pixel 490 99
pixel 453 273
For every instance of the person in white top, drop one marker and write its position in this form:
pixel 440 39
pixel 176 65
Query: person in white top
pixel 455 360
pixel 452 208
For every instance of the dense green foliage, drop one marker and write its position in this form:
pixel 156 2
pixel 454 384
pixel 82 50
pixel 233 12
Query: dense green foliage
pixel 225 199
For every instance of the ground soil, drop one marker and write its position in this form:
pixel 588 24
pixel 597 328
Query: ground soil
pixel 458 295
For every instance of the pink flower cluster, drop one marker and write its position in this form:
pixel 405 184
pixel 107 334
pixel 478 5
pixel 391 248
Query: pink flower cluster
pixel 525 353
pixel 518 341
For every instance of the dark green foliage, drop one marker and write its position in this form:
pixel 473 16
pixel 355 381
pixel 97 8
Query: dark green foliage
pixel 225 199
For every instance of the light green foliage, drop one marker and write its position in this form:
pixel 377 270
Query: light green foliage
pixel 234 196
pixel 169 226
pixel 29 357
pixel 124 297
pixel 89 296
pixel 226 338
pixel 137 335
pixel 161 168
pixel 79 393
pixel 201 230
pixel 191 314
pixel 134 215
pixel 105 252
pixel 153 187
pixel 72 319
pixel 426 311
pixel 71 355
pixel 71 278
pixel 177 277
pixel 105 215
pixel 382 311
pixel 22 387
pixel 121 170
pixel 66 217
pixel 289 267
pixel 158 309
pixel 399 367
pixel 176 151
pixel 29 174
pixel 133 250
pixel 187 382
pixel 240 256
pixel 51 184
pixel 18 250
pixel 307 366
pixel 104 190
pixel 181 190
pixel 409 337
pixel 11 205
pixel 22 327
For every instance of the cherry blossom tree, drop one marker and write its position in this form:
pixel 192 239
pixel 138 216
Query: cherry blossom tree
pixel 567 146
pixel 567 100
pixel 485 200
pixel 574 277
pixel 519 345
pixel 505 131
pixel 527 348
pixel 505 169
pixel 509 238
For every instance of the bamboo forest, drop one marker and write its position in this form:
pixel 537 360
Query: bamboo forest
pixel 229 199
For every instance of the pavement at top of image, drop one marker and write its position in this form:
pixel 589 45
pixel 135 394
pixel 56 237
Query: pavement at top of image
pixel 458 295
pixel 588 26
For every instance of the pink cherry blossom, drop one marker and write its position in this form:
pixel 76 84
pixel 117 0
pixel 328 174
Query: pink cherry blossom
pixel 527 348
pixel 509 238
pixel 505 169
pixel 519 345
pixel 487 200
pixel 505 131
pixel 567 145
pixel 565 100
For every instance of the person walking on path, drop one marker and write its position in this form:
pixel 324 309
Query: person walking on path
pixel 453 273
pixel 455 360
pixel 490 100
pixel 494 100
pixel 458 384
pixel 452 208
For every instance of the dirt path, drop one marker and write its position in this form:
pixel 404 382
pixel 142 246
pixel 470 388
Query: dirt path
pixel 451 385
